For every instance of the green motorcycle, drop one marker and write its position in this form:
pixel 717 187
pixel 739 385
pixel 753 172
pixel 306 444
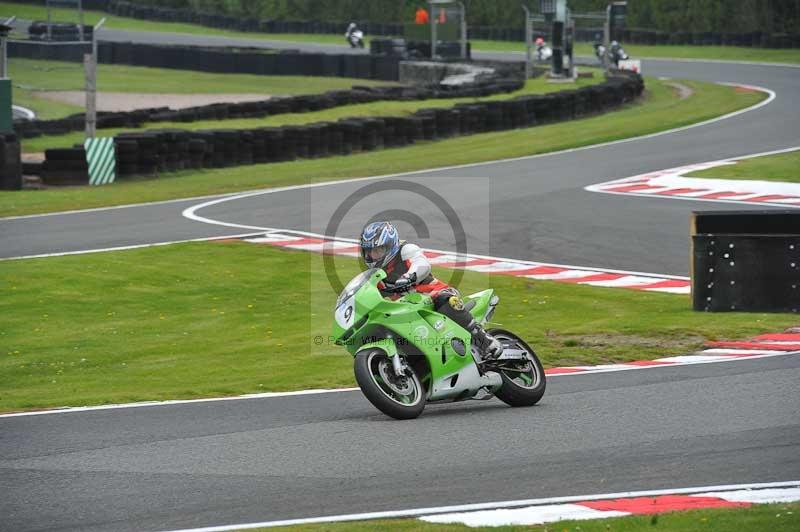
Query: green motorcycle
pixel 407 354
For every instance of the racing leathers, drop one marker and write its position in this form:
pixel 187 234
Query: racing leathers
pixel 410 267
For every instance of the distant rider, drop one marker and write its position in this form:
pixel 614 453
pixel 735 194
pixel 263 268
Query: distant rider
pixel 407 266
pixel 351 29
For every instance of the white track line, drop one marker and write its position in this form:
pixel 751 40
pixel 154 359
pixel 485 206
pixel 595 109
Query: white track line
pixel 125 248
pixel 678 361
pixel 416 512
pixel 771 96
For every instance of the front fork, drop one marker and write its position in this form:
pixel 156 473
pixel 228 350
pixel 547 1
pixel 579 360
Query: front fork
pixel 399 365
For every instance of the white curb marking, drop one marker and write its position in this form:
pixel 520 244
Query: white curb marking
pixel 672 184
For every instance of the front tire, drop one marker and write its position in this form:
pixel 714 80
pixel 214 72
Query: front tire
pixel 524 388
pixel 400 398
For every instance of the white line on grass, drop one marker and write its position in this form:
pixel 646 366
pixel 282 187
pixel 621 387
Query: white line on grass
pixel 416 512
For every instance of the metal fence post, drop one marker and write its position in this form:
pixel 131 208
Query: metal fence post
pixel 528 42
pixel 90 65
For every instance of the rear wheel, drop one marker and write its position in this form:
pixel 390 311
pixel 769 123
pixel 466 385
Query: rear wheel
pixel 524 382
pixel 397 397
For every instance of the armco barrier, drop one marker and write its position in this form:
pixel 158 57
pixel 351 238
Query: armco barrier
pixel 746 261
pixel 157 151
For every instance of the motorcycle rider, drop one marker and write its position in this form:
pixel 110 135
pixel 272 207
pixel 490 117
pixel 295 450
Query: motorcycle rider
pixel 351 29
pixel 540 44
pixel 407 267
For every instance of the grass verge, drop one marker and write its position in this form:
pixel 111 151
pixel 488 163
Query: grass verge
pixel 659 110
pixel 217 319
pixel 386 108
pixel 30 76
pixel 783 517
pixel 730 53
pixel 784 167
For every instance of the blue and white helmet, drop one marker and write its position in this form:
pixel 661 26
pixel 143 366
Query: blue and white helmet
pixel 380 242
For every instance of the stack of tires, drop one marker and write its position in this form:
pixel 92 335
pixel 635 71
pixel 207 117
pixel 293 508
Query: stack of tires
pixel 389 47
pixel 170 150
pixel 65 166
pixel 62 32
pixel 10 165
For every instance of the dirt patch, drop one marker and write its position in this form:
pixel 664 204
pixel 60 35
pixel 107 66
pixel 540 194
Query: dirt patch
pixel 125 101
pixel 682 91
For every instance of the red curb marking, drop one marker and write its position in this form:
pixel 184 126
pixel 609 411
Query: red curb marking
pixel 781 337
pixel 668 283
pixel 340 250
pixel 465 263
pixel 630 188
pixel 562 371
pixel 717 195
pixel 538 270
pixel 679 191
pixel 667 503
pixel 298 242
pixel 755 345
pixel 770 197
pixel 597 277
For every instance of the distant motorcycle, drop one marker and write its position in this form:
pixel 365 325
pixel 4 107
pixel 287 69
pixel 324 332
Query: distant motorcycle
pixel 543 51
pixel 615 55
pixel 354 36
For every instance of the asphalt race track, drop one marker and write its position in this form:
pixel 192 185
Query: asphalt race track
pixel 204 464
pixel 216 463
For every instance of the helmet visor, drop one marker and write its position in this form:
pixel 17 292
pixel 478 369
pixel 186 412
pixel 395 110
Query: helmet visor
pixel 375 254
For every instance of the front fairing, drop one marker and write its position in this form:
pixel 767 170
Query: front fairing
pixel 354 305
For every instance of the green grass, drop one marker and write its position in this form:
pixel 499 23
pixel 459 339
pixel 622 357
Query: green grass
pixel 387 108
pixel 215 319
pixel 731 53
pixel 30 76
pixel 783 167
pixel 783 517
pixel 661 109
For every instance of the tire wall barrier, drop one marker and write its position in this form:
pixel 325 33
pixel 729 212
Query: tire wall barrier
pixel 168 150
pixel 372 67
pixel 746 261
pixel 10 162
pixel 65 166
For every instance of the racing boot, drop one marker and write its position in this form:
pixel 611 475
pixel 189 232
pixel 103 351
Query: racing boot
pixel 488 344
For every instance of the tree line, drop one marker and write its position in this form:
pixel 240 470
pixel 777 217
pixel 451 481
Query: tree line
pixel 729 16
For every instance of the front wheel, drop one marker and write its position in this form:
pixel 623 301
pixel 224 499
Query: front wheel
pixel 397 397
pixel 524 382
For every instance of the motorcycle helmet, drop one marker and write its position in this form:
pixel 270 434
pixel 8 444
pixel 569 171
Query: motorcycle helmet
pixel 380 242
pixel 539 41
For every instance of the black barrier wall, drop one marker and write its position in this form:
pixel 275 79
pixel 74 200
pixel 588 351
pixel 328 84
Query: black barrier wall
pixel 220 60
pixel 746 261
pixel 10 162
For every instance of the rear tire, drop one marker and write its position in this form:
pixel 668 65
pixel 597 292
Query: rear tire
pixel 375 376
pixel 516 390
